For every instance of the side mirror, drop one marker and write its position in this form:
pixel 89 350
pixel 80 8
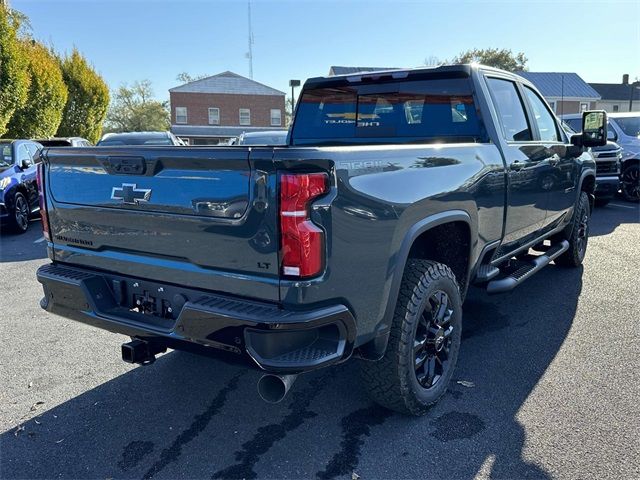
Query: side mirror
pixel 25 164
pixel 594 128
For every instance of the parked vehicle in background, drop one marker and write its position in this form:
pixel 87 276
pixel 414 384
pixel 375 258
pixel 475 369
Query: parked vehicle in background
pixel 18 185
pixel 623 129
pixel 607 159
pixel 139 138
pixel 397 190
pixel 64 142
pixel 268 137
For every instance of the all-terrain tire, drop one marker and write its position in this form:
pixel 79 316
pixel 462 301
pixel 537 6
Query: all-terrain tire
pixel 393 381
pixel 578 236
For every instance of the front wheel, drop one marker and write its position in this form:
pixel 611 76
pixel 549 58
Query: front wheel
pixel 579 235
pixel 423 344
pixel 630 183
pixel 20 216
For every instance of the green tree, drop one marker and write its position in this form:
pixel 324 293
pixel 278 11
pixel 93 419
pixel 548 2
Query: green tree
pixel 494 57
pixel 41 114
pixel 134 110
pixel 88 99
pixel 185 77
pixel 14 79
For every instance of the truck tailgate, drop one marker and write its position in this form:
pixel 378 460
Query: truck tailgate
pixel 199 217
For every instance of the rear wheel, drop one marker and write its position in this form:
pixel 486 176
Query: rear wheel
pixel 20 216
pixel 630 183
pixel 423 344
pixel 579 235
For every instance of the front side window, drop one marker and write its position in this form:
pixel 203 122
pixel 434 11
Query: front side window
pixel 510 110
pixel 214 116
pixel 575 124
pixel 435 110
pixel 276 117
pixel 245 116
pixel 181 114
pixel 24 157
pixel 543 118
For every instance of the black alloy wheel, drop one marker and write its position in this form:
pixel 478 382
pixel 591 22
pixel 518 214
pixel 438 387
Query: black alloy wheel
pixel 432 342
pixel 630 183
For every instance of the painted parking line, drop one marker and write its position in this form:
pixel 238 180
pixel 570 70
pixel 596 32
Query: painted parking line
pixel 623 206
pixel 40 240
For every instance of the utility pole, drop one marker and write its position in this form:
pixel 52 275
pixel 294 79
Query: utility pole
pixel 250 52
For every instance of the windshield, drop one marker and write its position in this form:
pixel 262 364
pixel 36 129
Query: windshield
pixel 437 110
pixel 5 155
pixel 629 125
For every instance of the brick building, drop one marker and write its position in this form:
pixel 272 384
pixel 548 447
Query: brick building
pixel 214 109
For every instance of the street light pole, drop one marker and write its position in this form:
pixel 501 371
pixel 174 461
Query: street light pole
pixel 293 84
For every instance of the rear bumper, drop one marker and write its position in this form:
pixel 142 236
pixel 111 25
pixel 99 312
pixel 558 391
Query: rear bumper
pixel 259 334
pixel 607 186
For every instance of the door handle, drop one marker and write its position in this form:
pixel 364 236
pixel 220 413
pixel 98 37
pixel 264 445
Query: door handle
pixel 517 165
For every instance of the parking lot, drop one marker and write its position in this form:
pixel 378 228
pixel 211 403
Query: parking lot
pixel 547 385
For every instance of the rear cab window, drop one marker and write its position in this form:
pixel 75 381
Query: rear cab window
pixel 419 111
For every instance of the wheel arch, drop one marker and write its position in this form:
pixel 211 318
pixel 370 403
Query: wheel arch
pixel 417 241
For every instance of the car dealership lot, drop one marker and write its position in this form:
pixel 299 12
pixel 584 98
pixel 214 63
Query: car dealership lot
pixel 547 386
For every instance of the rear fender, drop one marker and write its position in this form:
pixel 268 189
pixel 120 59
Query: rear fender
pixel 375 349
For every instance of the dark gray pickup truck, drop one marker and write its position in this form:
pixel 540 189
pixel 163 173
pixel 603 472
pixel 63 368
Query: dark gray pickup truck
pixel 396 191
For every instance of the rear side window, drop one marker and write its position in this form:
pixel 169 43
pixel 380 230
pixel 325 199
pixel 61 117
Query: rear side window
pixel 419 111
pixel 510 110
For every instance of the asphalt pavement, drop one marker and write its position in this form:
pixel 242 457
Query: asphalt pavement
pixel 547 386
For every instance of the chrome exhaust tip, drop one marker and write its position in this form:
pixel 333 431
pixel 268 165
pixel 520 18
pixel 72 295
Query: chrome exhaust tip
pixel 273 388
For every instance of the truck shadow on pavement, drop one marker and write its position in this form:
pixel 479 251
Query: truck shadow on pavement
pixel 190 417
pixel 20 247
pixel 607 219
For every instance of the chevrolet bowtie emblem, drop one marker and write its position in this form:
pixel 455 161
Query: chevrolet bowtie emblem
pixel 128 193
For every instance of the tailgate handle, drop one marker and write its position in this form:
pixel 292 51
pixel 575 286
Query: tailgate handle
pixel 127 165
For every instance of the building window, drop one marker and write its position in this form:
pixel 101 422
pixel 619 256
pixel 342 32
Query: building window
pixel 245 116
pixel 214 116
pixel 616 108
pixel 552 104
pixel 181 114
pixel 276 117
pixel 584 107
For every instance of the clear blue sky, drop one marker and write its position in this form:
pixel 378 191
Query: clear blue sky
pixel 155 39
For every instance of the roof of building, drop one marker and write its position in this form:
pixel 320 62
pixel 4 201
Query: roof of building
pixel 207 131
pixel 337 70
pixel 561 84
pixel 616 91
pixel 229 83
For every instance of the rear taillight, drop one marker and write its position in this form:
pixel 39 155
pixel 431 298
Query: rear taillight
pixel 46 232
pixel 302 242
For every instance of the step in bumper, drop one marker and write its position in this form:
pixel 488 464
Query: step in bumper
pixel 260 334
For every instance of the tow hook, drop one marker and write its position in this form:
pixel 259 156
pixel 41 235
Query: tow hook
pixel 273 388
pixel 141 352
